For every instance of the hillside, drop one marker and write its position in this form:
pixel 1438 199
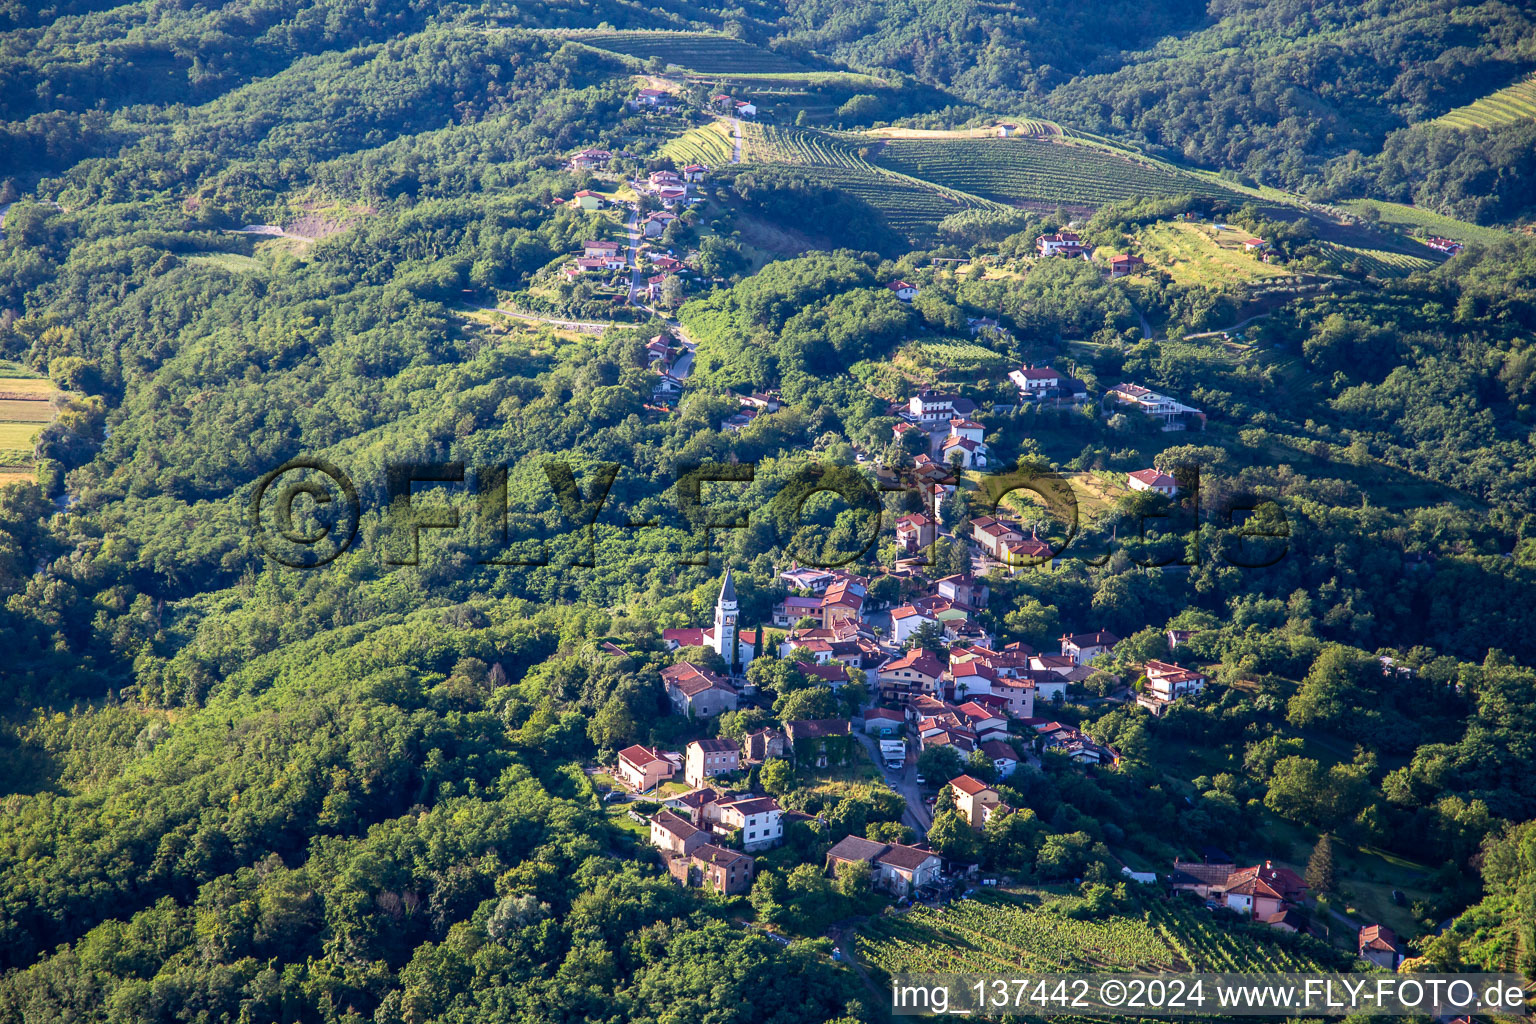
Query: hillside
pixel 463 475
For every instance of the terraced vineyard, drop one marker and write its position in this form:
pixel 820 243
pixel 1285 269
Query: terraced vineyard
pixel 1033 170
pixel 1510 104
pixel 709 145
pixel 1381 263
pixel 910 205
pixel 710 53
pixel 999 932
pixel 1412 218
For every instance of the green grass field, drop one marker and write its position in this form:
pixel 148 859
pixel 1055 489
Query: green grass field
pixel 17 437
pixel 1512 103
pixel 231 261
pixel 1035 170
pixel 705 52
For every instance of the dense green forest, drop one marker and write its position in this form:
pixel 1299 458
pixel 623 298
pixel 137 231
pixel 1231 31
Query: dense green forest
pixel 241 791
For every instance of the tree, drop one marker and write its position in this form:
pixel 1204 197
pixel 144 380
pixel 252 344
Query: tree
pixel 940 764
pixel 980 766
pixel 929 636
pixel 1320 866
pixel 612 725
pixel 888 832
pixel 812 702
pixel 853 878
pixel 953 836
pixel 770 898
pixel 776 776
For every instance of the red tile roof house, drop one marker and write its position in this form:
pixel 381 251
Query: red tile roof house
pixel 1152 480
pixel 974 799
pixel 588 159
pixel 904 290
pixel 1034 380
pixel 906 620
pixel 915 532
pixel 1379 945
pixel 1065 243
pixel 1120 266
pixel 697 692
pixel 642 769
pixel 1003 757
pixel 916 672
pixel 1166 683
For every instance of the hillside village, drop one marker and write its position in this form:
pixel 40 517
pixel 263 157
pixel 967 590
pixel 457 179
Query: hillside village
pixel 917 685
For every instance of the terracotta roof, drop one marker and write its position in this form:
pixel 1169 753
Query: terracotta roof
pixel 907 858
pixel 699 797
pixel 854 848
pixel 969 786
pixel 640 756
pixel 918 659
pixel 690 680
pixel 1153 478
pixel 882 714
pixel 998 750
pixel 675 824
pixel 1380 938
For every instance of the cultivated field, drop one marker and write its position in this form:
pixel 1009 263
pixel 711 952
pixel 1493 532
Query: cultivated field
pixel 910 205
pixel 1412 218
pixel 1200 254
pixel 1021 170
pixel 709 145
pixel 966 358
pixel 1002 932
pixel 1026 127
pixel 708 53
pixel 25 407
pixel 1513 103
pixel 1382 263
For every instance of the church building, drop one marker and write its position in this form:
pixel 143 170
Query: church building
pixel 725 637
